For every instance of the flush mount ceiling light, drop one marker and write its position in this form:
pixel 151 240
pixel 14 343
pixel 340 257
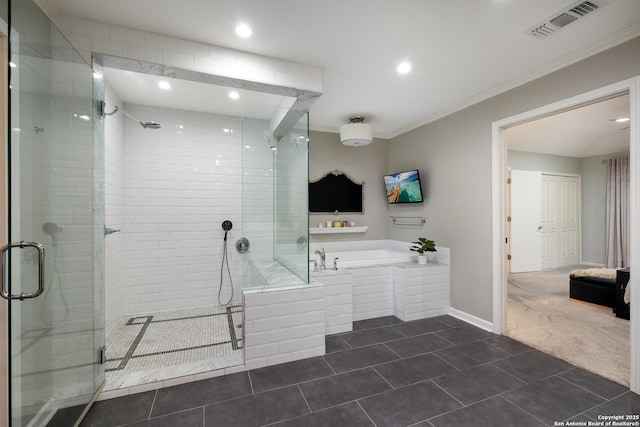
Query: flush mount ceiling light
pixel 356 133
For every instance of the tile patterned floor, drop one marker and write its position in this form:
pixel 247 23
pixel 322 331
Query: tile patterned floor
pixel 429 373
pixel 179 342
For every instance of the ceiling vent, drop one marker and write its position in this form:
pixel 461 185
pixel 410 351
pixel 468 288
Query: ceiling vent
pixel 565 17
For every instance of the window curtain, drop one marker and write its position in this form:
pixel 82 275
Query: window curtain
pixel 617 217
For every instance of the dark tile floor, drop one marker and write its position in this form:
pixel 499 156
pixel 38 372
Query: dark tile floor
pixel 432 372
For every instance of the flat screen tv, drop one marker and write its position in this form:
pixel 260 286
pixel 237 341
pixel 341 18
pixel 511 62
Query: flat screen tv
pixel 403 187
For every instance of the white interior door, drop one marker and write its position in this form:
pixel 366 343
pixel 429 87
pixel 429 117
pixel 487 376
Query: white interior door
pixel 525 211
pixel 560 220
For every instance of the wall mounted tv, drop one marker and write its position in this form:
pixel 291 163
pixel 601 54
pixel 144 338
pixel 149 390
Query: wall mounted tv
pixel 403 187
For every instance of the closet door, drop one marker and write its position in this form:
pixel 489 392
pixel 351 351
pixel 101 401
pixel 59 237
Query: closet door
pixel 560 223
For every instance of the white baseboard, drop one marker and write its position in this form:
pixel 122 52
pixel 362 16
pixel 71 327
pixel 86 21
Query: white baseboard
pixel 469 318
pixel 592 264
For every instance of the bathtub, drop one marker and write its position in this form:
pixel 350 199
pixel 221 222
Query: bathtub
pixel 370 253
pixel 365 257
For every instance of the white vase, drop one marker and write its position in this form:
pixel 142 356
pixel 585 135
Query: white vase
pixel 422 259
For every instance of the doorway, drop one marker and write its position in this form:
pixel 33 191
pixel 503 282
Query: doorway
pixel 500 248
pixel 544 220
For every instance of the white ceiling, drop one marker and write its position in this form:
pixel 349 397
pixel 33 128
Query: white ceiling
pixel 587 131
pixel 462 51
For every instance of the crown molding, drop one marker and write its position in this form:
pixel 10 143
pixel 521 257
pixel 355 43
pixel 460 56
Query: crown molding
pixel 570 59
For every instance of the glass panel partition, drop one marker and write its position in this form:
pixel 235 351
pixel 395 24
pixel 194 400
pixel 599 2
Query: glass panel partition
pixel 56 219
pixel 291 205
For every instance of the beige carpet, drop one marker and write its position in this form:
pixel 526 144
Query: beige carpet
pixel 541 314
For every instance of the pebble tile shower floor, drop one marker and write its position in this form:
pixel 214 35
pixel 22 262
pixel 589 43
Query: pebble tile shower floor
pixel 154 346
pixel 437 372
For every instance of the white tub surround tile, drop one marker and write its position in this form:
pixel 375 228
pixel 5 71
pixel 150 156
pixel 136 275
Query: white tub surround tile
pixel 421 291
pixel 272 337
pixel 406 290
pixel 338 302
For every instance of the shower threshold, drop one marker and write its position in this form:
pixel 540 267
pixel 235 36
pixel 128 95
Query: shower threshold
pixel 150 347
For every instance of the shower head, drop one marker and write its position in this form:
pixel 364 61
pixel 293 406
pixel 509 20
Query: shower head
pixel 150 125
pixel 146 125
pixel 51 228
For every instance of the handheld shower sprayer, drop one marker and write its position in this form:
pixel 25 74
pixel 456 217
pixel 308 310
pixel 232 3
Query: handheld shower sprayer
pixel 226 226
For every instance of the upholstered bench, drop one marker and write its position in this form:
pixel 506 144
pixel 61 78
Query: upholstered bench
pixel 602 286
pixel 594 285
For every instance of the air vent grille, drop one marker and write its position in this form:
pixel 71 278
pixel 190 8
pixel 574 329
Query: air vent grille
pixel 565 17
pixel 584 8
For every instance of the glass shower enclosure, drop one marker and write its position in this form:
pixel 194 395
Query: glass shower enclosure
pixel 52 265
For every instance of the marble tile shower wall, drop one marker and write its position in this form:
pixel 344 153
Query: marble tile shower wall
pixel 181 182
pixel 92 36
pixel 114 212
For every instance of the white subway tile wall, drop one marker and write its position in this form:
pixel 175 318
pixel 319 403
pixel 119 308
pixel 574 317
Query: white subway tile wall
pixel 421 292
pixel 178 184
pixel 338 303
pixel 97 37
pixel 114 212
pixel 271 337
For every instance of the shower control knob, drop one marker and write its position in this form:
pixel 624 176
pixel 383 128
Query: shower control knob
pixel 242 245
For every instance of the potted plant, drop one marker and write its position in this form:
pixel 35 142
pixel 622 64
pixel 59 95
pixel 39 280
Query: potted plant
pixel 421 246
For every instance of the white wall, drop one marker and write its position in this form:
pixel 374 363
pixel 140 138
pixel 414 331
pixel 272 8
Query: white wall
pixel 366 164
pixel 455 153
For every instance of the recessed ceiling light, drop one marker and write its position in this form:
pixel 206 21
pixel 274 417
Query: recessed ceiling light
pixel 404 67
pixel 622 120
pixel 243 30
pixel 234 95
pixel 164 85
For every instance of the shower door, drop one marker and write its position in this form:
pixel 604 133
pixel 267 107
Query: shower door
pixel 53 264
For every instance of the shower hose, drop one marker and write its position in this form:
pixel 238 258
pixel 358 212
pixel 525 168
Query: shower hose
pixel 225 261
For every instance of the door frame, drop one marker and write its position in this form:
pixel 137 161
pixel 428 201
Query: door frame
pixel 500 194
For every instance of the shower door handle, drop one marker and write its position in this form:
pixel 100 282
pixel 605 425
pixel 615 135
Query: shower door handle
pixel 4 293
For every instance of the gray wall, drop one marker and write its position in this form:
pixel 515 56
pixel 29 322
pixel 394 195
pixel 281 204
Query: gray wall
pixel 455 152
pixel 593 177
pixel 368 164
pixel 594 185
pixel 520 160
